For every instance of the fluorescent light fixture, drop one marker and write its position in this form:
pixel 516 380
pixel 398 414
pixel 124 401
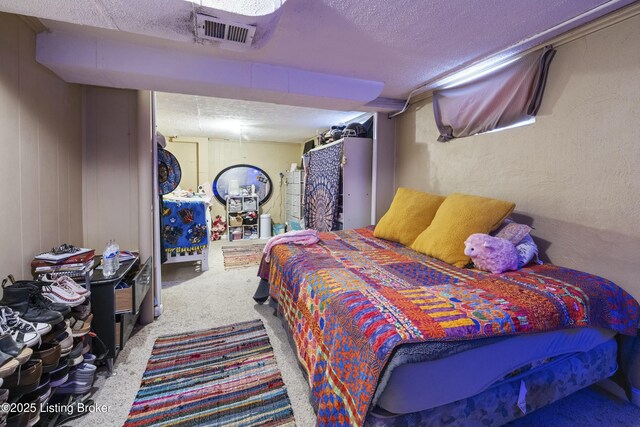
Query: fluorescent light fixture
pixel 227 125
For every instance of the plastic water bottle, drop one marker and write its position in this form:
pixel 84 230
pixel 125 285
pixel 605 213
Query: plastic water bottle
pixel 110 259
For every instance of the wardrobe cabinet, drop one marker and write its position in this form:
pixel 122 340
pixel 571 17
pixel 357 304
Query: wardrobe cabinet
pixel 355 209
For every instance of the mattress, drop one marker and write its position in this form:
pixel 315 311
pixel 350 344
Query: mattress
pixel 414 387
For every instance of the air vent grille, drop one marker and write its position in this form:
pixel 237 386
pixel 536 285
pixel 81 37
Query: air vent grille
pixel 237 34
pixel 213 28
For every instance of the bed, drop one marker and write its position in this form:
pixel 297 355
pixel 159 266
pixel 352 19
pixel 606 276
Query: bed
pixel 391 337
pixel 186 225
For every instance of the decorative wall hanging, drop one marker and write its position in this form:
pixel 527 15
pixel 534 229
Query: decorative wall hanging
pixel 322 188
pixel 169 172
pixel 242 180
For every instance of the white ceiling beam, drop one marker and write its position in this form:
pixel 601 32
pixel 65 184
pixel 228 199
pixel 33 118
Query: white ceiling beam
pixel 115 63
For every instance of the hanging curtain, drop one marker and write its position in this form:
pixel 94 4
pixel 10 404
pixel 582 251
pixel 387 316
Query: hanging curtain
pixel 508 95
pixel 322 187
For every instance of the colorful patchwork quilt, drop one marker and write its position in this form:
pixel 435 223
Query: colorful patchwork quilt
pixel 349 300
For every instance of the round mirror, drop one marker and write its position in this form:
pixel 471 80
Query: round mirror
pixel 238 180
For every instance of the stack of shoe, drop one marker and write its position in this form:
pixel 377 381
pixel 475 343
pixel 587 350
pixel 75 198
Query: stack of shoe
pixel 43 344
pixel 12 354
pixel 20 387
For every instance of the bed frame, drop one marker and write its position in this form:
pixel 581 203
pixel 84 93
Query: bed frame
pixel 510 400
pixel 201 255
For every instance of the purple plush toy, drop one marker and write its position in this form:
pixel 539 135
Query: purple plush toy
pixel 490 253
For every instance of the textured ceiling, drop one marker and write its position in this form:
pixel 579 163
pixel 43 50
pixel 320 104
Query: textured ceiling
pixel 386 48
pixel 186 115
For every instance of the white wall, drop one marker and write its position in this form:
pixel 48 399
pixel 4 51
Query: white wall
pixel 574 174
pixel 41 153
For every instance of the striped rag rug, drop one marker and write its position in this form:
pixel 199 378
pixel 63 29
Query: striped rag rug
pixel 242 255
pixel 224 376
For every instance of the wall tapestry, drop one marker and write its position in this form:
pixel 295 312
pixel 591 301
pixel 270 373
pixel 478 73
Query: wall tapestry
pixel 322 188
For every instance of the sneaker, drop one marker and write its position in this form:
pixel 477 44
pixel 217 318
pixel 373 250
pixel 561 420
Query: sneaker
pixel 43 391
pixel 83 310
pixel 68 283
pixel 81 327
pixel 89 358
pixel 42 328
pixel 80 380
pixel 22 331
pixel 49 353
pixel 60 294
pixel 75 355
pixel 4 396
pixel 31 405
pixel 56 330
pixel 8 365
pixel 19 351
pixel 66 342
pixel 25 380
pixel 60 375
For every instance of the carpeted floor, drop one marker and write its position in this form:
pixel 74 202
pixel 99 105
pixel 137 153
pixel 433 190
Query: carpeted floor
pixel 194 300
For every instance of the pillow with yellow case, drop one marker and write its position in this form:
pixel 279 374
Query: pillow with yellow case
pixel 460 216
pixel 409 214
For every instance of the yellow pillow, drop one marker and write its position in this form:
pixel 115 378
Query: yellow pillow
pixel 409 214
pixel 459 216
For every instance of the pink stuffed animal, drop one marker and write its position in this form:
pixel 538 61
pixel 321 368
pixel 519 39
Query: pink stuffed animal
pixel 490 253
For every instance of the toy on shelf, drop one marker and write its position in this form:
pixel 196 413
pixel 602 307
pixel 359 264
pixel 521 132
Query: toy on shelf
pixel 218 227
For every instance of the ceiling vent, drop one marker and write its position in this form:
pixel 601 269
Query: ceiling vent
pixel 211 28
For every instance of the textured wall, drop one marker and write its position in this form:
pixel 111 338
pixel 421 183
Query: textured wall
pixel 574 174
pixel 41 152
pixel 273 157
pixel 110 168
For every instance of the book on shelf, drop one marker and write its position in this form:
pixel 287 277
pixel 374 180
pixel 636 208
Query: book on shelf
pixel 49 256
pixel 75 258
pixel 126 256
pixel 65 267
pixel 78 274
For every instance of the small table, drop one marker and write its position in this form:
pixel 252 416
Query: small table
pixel 115 310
